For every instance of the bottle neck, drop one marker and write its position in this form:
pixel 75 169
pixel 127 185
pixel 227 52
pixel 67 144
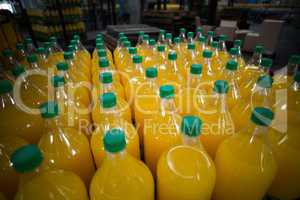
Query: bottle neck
pixel 256 58
pixel 207 62
pixel 107 87
pixel 34 65
pixel 223 46
pixel 209 40
pixel 138 68
pixel 222 107
pixel 216 52
pixel 6 100
pixel 167 106
pixel 70 62
pixel 42 56
pixel 192 53
pixel 116 156
pixel 152 83
pixel 190 40
pixel 174 67
pixel 182 37
pixel 191 141
pixel 260 132
pixel 239 51
pixel 264 95
pixel 161 38
pixel 292 68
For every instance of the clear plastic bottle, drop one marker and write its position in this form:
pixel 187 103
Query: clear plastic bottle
pixel 30 48
pixel 182 165
pixel 121 175
pixel 245 162
pixel 64 147
pixel 79 68
pixel 223 54
pixel 43 59
pixel 218 121
pixel 20 53
pixel 208 72
pixel 182 35
pixel 190 37
pixel 163 130
pixel 191 58
pixel 241 61
pixel 200 47
pixel 161 37
pixel 113 116
pixel 36 182
pixel 199 33
pixel 169 43
pixel 161 60
pixel 210 38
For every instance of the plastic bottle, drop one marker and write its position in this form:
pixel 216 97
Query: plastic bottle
pixel 15 121
pixel 191 58
pixel 286 149
pixel 218 122
pixel 82 50
pixel 161 37
pixel 123 53
pixel 182 36
pixel 181 53
pixel 199 33
pixel 217 62
pixel 43 61
pixel 38 183
pixel 146 100
pixel 182 165
pixel 105 67
pixel 55 45
pixel 73 113
pixel 64 147
pixel 78 68
pixel 241 61
pixel 20 53
pixel 200 47
pixel 121 175
pixel 150 58
pixel 210 38
pixel 76 83
pixel 223 54
pixel 30 48
pixel 190 37
pixel 169 44
pixel 161 60
pixel 162 131
pixel 95 62
pixel 142 49
pixel 53 56
pixel 261 95
pixel 112 117
pixel 245 162
pixel 209 73
pixel 9 179
pixel 119 48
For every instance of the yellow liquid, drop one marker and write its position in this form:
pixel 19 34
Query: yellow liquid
pixel 188 168
pixel 120 177
pixel 161 132
pixel 9 178
pixel 248 78
pixel 245 168
pixel 55 58
pixel 53 185
pixel 2 197
pixel 286 150
pixel 132 140
pixel 68 149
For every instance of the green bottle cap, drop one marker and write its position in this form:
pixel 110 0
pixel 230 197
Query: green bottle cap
pixel 207 53
pixel 106 77
pixel 5 86
pixel 52 39
pixel 28 41
pixel 176 40
pixel 262 116
pixel 191 126
pixel 199 29
pixel 123 39
pixel 295 59
pixel 196 69
pixel 76 37
pixel 32 58
pixel 102 53
pixel 100 45
pixel 114 140
pixel 182 30
pixel 232 65
pixel 152 42
pixel 191 46
pixel 234 51
pixel 151 72
pixel 40 50
pixel 166 91
pixel 297 77
pixel 132 50
pixel 210 33
pixel 146 37
pixel 172 56
pixel 108 100
pixel 62 66
pixel 221 87
pixel 19 46
pixel 223 37
pixel 137 59
pixel 265 81
pixel 215 44
pixel 49 109
pixel 161 48
pixel 127 44
pixel 7 52
pixel 121 34
pixel 190 35
pixel 18 70
pixel 237 43
pixel 99 40
pixel 259 49
pixel 103 62
pixel 57 81
pixel 72 48
pixel 141 32
pixel 202 39
pixel 47 45
pixel 74 42
pixel 162 31
pixel 169 36
pixel 266 62
pixel 68 55
pixel 26 158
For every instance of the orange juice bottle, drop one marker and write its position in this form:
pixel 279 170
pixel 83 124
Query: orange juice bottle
pixel 9 179
pixel 230 74
pixel 199 33
pixel 112 117
pixel 190 37
pixel 140 39
pixel 173 74
pixel 127 62
pixel 161 37
pixel 261 95
pixel 250 75
pixel 37 182
pixel 209 74
pixel 223 54
pixel 210 38
pixel 104 66
pixel 182 36
pixel 119 48
pixel 101 54
pixel 169 44
pixel 77 67
pixel 55 45
pixel 122 54
pixel 161 60
pixel 217 62
pixel 43 59
pixel 54 57
pixel 70 153
pixel 15 120
pixel 161 131
pixel 30 48
pixel 121 175
pixel 73 113
pixel 100 45
pixel 245 162
pixel 146 100
pixel 191 58
pixel 76 82
pixel 241 61
pixel 200 47
pixel 218 122
pixel 80 53
pixel 20 53
pixel 150 55
pixel 180 166
pixel 82 50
